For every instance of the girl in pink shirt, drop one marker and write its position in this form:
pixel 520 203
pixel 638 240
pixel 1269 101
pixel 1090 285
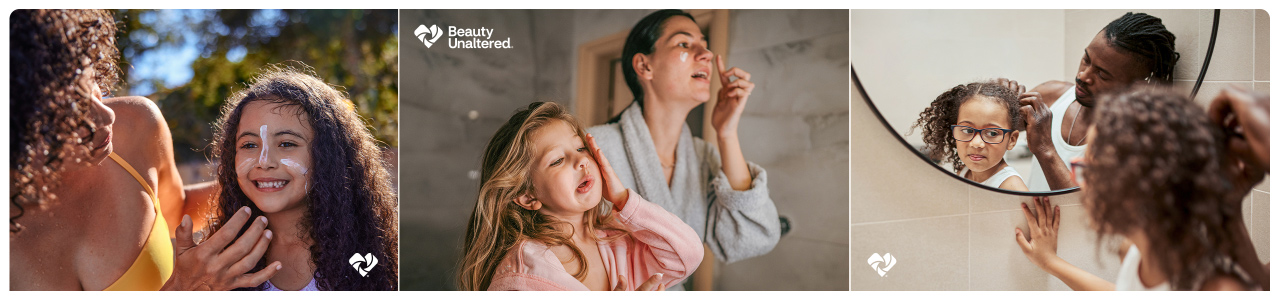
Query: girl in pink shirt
pixel 539 222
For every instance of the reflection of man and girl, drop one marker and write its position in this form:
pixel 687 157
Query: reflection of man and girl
pixel 540 222
pixel 289 149
pixel 1054 116
pixel 1156 171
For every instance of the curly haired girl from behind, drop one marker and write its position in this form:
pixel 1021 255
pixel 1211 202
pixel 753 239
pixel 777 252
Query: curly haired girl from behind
pixel 1153 177
pixel 972 126
pixel 539 222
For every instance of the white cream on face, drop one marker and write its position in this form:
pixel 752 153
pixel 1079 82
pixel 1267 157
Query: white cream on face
pixel 266 146
pixel 684 56
pixel 244 166
pixel 295 166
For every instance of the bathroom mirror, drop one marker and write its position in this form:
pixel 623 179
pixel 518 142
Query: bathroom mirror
pixel 902 60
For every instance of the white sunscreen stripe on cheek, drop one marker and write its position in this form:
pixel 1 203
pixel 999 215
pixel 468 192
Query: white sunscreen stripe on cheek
pixel 266 146
pixel 245 165
pixel 684 56
pixel 294 165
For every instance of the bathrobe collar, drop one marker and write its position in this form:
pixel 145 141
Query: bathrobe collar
pixel 647 168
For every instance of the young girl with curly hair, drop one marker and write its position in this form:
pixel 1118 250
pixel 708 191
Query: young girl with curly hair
pixel 539 222
pixel 292 148
pixel 1152 175
pixel 972 126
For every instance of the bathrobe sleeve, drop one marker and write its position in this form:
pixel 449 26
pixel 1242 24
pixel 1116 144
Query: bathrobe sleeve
pixel 531 266
pixel 740 224
pixel 659 243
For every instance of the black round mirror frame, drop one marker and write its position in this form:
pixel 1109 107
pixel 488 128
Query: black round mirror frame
pixel 861 91
pixel 1213 38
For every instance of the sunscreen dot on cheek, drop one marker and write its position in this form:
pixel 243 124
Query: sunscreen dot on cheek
pixel 684 56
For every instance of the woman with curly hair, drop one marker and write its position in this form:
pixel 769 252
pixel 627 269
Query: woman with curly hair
pixel 293 149
pixel 974 135
pixel 1153 175
pixel 76 220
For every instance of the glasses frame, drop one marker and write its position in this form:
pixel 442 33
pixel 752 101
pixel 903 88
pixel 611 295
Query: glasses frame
pixel 866 99
pixel 1078 168
pixel 1004 132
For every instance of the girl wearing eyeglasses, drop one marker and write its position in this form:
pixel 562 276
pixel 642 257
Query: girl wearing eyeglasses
pixel 972 126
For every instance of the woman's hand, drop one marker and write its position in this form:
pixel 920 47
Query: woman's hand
pixel 1041 247
pixel 731 100
pixel 212 265
pixel 613 189
pixel 648 285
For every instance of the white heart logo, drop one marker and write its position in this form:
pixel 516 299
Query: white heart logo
pixel 363 264
pixel 423 33
pixel 882 264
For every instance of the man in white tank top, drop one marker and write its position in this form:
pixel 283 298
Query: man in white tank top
pixel 1134 49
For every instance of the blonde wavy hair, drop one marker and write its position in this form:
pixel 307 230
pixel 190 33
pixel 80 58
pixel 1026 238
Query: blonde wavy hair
pixel 498 224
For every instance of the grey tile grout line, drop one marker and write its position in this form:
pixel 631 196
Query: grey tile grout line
pixel 945 216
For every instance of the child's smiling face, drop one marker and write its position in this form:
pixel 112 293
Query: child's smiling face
pixel 273 155
pixel 982 112
pixel 566 180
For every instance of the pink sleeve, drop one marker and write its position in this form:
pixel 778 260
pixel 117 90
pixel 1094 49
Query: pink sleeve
pixel 523 282
pixel 659 243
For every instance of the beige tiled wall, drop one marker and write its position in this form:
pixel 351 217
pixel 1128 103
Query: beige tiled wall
pixel 905 63
pixel 947 235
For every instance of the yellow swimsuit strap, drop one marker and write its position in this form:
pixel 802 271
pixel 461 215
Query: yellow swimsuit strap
pixel 154 264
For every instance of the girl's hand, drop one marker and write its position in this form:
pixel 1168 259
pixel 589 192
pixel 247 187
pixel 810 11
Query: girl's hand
pixel 212 265
pixel 613 189
pixel 732 99
pixel 648 285
pixel 1042 246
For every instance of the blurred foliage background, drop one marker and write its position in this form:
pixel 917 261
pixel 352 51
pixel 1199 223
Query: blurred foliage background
pixel 190 61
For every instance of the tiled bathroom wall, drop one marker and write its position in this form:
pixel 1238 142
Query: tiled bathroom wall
pixel 794 129
pixel 948 235
pixel 1241 57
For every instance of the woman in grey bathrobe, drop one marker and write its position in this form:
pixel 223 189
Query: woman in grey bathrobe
pixel 711 187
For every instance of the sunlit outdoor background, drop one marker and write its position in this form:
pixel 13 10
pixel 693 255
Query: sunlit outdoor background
pixel 190 61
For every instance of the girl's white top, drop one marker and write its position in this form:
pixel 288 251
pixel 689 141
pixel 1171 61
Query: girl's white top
pixel 1128 279
pixel 996 179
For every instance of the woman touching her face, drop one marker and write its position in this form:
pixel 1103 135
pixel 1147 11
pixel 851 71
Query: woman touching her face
pixel 669 69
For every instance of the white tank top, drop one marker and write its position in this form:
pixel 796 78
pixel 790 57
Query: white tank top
pixel 1128 279
pixel 996 179
pixel 1036 180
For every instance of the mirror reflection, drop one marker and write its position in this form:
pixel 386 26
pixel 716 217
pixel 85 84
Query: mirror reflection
pixel 1003 98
